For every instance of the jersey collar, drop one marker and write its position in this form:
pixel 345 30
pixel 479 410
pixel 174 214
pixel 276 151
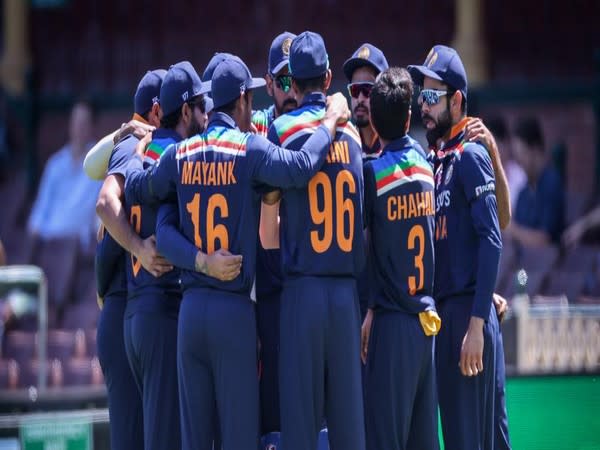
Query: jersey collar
pixel 314 97
pixel 162 133
pixel 398 144
pixel 221 119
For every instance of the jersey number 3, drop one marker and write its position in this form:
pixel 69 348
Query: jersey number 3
pixel 416 237
pixel 213 232
pixel 321 211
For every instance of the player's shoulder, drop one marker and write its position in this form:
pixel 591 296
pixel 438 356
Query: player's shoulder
pixel 301 121
pixel 349 132
pixel 474 153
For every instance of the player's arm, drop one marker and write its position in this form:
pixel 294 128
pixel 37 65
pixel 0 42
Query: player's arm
pixel 268 230
pixel 477 131
pixel 277 166
pixel 171 243
pixel 575 232
pixel 109 208
pixel 476 175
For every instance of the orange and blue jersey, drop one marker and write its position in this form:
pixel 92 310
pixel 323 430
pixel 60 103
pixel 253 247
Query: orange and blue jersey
pixel 143 220
pixel 217 177
pixel 400 218
pixel 321 224
pixel 467 234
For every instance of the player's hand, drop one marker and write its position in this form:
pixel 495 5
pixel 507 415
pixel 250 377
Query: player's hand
pixel 100 234
pixel 221 264
pixel 471 353
pixel 337 108
pixel 477 131
pixel 140 148
pixel 135 127
pixel 501 306
pixel 365 333
pixel 150 259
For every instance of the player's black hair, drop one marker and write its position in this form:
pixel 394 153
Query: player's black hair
pixel 529 131
pixel 463 102
pixel 170 122
pixel 497 126
pixel 228 108
pixel 390 102
pixel 311 84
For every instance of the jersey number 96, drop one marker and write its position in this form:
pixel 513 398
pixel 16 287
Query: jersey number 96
pixel 321 211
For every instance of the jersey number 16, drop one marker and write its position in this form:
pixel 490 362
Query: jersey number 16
pixel 213 232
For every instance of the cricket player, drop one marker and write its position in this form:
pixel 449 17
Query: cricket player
pixel 218 177
pixel 124 400
pixel 467 253
pixel 153 302
pixel 322 252
pixel 398 333
pixel 361 69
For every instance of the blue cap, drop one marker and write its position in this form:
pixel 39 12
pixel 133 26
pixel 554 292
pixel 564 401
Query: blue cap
pixel 208 104
pixel 442 64
pixel 365 55
pixel 180 85
pixel 231 79
pixel 308 56
pixel 279 53
pixel 148 91
pixel 214 62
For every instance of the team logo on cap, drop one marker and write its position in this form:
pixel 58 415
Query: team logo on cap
pixel 155 99
pixel 285 46
pixel 364 52
pixel 184 96
pixel 431 58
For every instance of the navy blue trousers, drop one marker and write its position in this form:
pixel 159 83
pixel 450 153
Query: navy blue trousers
pixel 502 441
pixel 401 398
pixel 466 403
pixel 319 364
pixel 150 332
pixel 217 362
pixel 124 400
pixel 267 317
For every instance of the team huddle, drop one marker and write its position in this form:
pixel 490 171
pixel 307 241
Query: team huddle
pixel 305 276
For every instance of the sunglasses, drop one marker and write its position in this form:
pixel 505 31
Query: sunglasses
pixel 198 102
pixel 430 96
pixel 284 82
pixel 355 89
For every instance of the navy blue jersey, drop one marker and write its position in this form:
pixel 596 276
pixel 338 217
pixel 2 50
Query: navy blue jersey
pixel 468 242
pixel 143 220
pixel 216 176
pixel 321 224
pixel 110 256
pixel 400 217
pixel 109 265
pixel 170 242
pixel 371 150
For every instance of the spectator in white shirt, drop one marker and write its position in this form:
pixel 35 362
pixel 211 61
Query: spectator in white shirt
pixel 66 201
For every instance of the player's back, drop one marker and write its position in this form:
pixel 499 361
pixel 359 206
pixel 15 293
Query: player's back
pixel 143 221
pixel 321 225
pixel 400 213
pixel 218 204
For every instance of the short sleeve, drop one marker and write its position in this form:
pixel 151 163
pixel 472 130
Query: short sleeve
pixel 121 156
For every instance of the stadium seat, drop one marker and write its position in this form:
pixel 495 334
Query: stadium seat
pixel 81 344
pixel 30 372
pixel 9 374
pixel 20 346
pixel 61 344
pixel 82 314
pixel 90 339
pixel 78 372
pixel 580 259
